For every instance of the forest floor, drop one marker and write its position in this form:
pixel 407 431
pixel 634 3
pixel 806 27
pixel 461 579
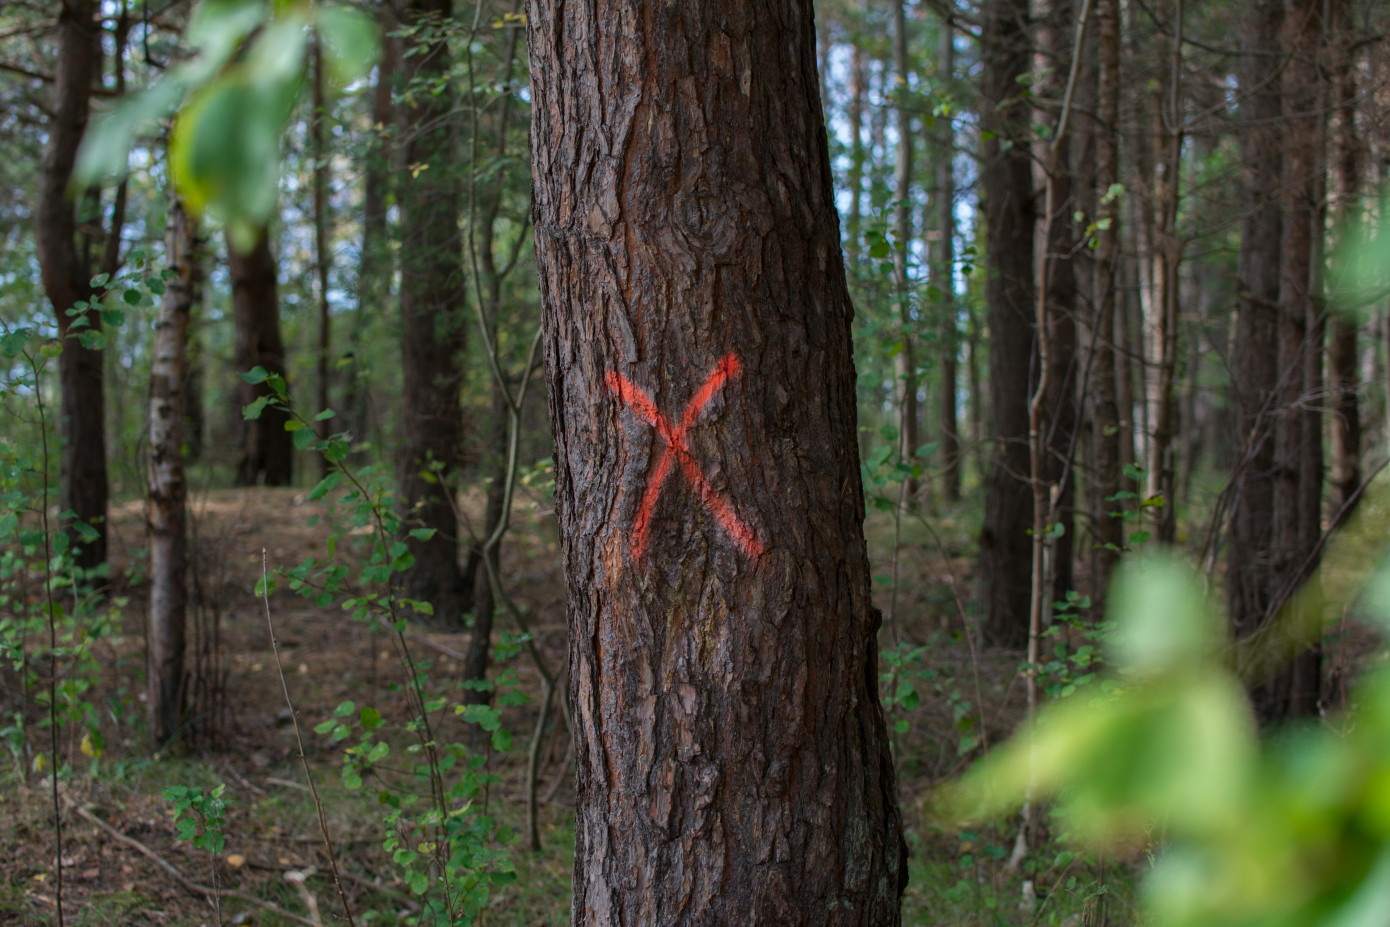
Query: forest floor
pixel 123 865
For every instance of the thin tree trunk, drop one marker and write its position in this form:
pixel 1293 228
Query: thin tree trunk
pixel 67 281
pixel 1295 690
pixel 166 676
pixel 1254 351
pixel 322 255
pixel 1344 357
pixel 733 763
pixel 1167 259
pixel 375 262
pixel 1057 241
pixel 1108 398
pixel 853 225
pixel 267 449
pixel 906 359
pixel 434 330
pixel 943 274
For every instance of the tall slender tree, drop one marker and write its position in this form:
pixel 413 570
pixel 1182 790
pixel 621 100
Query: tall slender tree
pixel 943 269
pixel 168 488
pixel 433 315
pixel 1006 194
pixel 732 760
pixel 905 361
pixel 1254 350
pixel 67 275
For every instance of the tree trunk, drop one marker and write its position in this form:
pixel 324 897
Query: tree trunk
pixel 1344 356
pixel 166 677
pixel 267 449
pixel 375 262
pixel 67 281
pixel 1294 691
pixel 479 653
pixel 435 330
pixel 1006 193
pixel 1107 412
pixel 905 361
pixel 854 232
pixel 733 764
pixel 1167 257
pixel 943 273
pixel 1056 31
pixel 323 257
pixel 1254 351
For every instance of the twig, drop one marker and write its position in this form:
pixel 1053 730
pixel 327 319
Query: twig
pixel 188 884
pixel 304 761
pixel 52 645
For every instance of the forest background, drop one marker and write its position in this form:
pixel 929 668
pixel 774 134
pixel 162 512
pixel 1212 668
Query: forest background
pixel 1119 286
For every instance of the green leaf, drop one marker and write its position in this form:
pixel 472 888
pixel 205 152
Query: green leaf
pixel 325 485
pixel 255 375
pixel 304 438
pixel 253 411
pixel 371 718
pixel 325 415
pixel 344 709
pixel 51 349
pixel 350 43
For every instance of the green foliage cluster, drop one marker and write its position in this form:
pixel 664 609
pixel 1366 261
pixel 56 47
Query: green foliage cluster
pixel 1292 830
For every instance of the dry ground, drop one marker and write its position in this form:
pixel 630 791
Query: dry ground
pixel 272 829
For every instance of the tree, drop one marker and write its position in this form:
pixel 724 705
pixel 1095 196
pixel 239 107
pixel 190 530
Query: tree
pixel 1254 350
pixel 1006 194
pixel 733 764
pixel 67 275
pixel 943 271
pixel 267 449
pixel 434 327
pixel 168 488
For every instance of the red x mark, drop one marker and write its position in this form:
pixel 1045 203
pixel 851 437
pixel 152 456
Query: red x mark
pixel 677 449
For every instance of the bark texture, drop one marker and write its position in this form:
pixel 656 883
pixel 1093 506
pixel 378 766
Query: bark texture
pixel 267 449
pixel 1006 191
pixel 434 326
pixel 168 490
pixel 733 765
pixel 67 280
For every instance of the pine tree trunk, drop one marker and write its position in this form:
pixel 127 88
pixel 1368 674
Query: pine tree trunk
pixel 67 281
pixel 375 263
pixel 1056 35
pixel 1344 358
pixel 267 449
pixel 1006 193
pixel 323 257
pixel 1254 351
pixel 168 490
pixel 733 764
pixel 1108 398
pixel 905 361
pixel 434 329
pixel 943 274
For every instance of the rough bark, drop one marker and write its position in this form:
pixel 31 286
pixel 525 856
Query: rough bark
pixel 943 275
pixel 67 274
pixel 733 764
pixel 267 449
pixel 434 328
pixel 1254 350
pixel 1006 193
pixel 168 490
pixel 1107 408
